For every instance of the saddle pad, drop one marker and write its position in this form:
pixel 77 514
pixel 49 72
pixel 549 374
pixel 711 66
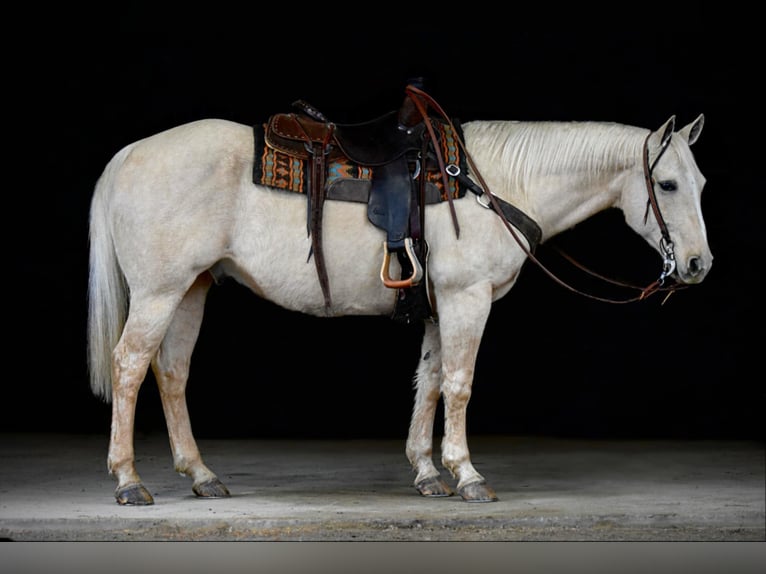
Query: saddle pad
pixel 346 180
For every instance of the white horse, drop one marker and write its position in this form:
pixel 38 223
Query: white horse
pixel 172 210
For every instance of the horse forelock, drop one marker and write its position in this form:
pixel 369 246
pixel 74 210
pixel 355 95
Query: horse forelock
pixel 528 150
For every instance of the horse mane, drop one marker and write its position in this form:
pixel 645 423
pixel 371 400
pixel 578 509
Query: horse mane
pixel 537 148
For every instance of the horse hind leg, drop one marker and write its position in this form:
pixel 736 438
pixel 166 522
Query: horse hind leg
pixel 428 480
pixel 171 369
pixel 144 330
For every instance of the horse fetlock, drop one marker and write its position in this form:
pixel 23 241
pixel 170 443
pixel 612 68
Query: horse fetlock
pixel 459 466
pixel 424 468
pixel 124 470
pixel 465 473
pixel 196 470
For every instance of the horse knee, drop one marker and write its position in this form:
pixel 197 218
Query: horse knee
pixel 172 380
pixel 456 392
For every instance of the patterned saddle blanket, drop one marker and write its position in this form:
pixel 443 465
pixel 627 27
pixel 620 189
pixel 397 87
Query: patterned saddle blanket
pixel 347 179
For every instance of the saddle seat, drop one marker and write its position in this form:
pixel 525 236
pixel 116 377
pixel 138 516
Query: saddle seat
pixel 373 143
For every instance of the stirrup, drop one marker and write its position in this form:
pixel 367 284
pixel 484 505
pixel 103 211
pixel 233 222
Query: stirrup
pixel 417 269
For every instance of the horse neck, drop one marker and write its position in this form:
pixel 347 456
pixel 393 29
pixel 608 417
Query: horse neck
pixel 560 173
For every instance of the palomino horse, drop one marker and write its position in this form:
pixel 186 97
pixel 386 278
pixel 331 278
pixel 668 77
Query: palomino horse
pixel 176 210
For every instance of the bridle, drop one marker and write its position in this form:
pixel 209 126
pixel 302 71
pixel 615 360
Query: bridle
pixel 666 244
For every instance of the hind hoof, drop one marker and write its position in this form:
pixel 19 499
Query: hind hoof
pixel 133 495
pixel 211 489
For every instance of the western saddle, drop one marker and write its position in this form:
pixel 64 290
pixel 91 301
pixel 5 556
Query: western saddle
pixel 398 148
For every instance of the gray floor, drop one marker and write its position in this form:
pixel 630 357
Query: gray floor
pixel 56 488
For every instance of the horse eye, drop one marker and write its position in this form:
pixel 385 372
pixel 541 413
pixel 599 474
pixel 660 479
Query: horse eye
pixel 668 185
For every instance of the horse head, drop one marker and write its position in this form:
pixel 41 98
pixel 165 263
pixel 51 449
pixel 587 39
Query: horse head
pixel 663 202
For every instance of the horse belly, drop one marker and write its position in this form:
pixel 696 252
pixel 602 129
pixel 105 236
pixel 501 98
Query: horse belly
pixel 272 255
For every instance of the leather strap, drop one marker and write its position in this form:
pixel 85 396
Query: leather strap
pixel 414 93
pixel 649 181
pixel 315 207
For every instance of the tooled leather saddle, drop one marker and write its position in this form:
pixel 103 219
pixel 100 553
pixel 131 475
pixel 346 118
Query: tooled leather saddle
pixel 396 163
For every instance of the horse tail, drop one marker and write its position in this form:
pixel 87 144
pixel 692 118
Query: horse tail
pixel 107 289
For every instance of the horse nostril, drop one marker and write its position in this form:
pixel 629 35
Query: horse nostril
pixel 694 266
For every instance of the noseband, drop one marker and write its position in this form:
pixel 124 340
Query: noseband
pixel 666 244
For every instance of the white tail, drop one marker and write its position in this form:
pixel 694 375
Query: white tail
pixel 107 291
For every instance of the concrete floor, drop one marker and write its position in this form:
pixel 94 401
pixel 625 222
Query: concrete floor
pixel 56 488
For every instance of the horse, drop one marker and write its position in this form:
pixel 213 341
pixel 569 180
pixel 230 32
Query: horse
pixel 173 212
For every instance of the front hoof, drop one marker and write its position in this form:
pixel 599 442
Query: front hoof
pixel 478 492
pixel 211 489
pixel 133 495
pixel 434 487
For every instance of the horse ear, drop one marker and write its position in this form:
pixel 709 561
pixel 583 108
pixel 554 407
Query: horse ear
pixel 661 137
pixel 667 130
pixel 692 131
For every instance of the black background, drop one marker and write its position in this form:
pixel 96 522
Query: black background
pixel 83 85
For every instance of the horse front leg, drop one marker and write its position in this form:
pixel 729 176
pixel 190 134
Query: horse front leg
pixel 428 481
pixel 171 369
pixel 462 319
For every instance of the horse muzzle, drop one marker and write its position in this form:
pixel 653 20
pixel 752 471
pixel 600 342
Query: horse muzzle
pixel 693 269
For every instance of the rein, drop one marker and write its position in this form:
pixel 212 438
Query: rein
pixel 666 244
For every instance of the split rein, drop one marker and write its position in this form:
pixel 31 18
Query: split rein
pixel 669 264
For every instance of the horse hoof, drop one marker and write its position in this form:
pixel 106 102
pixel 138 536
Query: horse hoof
pixel 434 487
pixel 211 489
pixel 478 492
pixel 133 495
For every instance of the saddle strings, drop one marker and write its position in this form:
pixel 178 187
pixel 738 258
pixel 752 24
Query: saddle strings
pixel 656 286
